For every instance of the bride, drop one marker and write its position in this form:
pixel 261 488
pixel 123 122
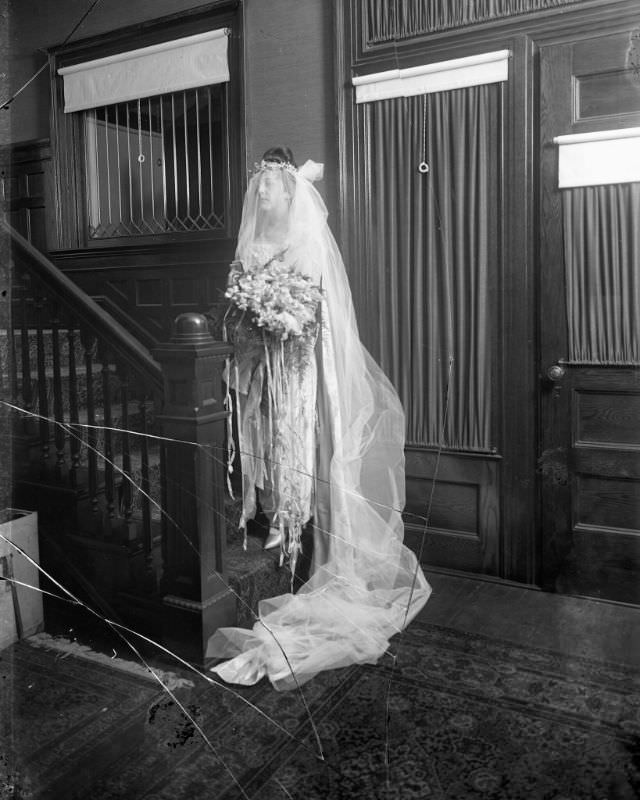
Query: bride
pixel 321 437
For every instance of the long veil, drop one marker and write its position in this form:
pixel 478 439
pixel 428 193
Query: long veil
pixel 365 584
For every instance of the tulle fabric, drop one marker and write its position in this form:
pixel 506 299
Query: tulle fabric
pixel 365 584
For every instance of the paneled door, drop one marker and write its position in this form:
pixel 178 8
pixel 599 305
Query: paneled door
pixel 589 457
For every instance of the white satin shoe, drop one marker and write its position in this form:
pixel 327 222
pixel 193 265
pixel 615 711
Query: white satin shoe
pixel 273 539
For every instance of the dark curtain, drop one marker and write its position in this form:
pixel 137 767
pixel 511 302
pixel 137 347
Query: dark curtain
pixel 431 257
pixel 401 19
pixel 602 262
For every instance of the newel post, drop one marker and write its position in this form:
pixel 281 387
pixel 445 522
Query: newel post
pixel 196 600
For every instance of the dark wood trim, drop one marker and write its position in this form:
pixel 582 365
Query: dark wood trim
pixel 484 578
pixel 143 34
pixel 343 124
pixel 191 250
pixel 589 17
pixel 555 115
pixel 25 152
pixel 518 321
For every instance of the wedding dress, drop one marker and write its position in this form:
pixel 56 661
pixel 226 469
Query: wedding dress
pixel 365 584
pixel 276 413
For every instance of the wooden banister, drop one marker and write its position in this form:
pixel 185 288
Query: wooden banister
pixel 125 346
pixel 193 419
pixel 123 451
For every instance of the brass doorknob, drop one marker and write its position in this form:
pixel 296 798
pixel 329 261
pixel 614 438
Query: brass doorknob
pixel 555 373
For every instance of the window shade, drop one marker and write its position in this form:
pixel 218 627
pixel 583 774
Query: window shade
pixel 186 63
pixel 457 73
pixel 597 158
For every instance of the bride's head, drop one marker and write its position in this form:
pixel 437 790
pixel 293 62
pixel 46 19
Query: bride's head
pixel 281 206
pixel 275 190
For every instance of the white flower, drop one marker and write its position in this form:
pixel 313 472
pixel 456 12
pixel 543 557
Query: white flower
pixel 292 325
pixel 277 299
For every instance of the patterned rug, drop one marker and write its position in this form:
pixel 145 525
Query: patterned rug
pixel 460 716
pixel 60 716
pixel 470 717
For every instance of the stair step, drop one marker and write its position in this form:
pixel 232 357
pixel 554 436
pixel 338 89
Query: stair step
pixel 255 575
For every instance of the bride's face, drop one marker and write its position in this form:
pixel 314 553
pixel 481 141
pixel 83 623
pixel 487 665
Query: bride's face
pixel 273 199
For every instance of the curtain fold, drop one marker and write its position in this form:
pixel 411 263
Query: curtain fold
pixel 401 19
pixel 432 255
pixel 602 265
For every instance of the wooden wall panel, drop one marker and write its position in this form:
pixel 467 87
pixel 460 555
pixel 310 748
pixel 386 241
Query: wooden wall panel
pixel 147 289
pixel 607 418
pixel 607 502
pixel 452 511
pixel 602 567
pixel 603 537
pixel 606 81
pixel 25 190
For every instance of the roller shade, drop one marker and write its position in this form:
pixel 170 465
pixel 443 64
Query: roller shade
pixel 597 158
pixel 186 63
pixel 457 73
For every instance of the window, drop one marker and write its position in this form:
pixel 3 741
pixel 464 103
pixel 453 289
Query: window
pixel 157 165
pixel 143 152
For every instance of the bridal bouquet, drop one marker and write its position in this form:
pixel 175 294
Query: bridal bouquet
pixel 277 298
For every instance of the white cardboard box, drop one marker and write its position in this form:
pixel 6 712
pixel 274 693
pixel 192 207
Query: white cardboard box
pixel 19 527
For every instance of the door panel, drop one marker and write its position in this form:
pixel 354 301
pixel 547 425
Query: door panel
pixel 462 505
pixel 590 404
pixel 605 81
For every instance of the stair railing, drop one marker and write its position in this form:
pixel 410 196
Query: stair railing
pixel 100 440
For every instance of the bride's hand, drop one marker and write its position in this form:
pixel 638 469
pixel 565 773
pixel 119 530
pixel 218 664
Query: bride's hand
pixel 235 268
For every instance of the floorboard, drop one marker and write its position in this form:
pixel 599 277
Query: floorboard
pixel 571 625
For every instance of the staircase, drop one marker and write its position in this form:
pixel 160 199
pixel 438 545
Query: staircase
pixel 121 451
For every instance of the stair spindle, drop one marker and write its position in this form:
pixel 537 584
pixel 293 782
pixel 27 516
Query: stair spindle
pixel 88 343
pixel 125 439
pixel 107 454
pixel 25 349
pixel 5 368
pixel 59 435
pixel 43 399
pixel 4 355
pixel 74 414
pixel 147 535
pixel 12 366
pixel 163 496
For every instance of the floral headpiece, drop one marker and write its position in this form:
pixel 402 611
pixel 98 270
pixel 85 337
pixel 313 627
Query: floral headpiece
pixel 311 170
pixel 274 165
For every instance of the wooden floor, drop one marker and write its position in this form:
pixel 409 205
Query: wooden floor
pixel 571 625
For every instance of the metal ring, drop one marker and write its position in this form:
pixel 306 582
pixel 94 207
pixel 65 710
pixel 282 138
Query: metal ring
pixel 141 158
pixel 423 167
